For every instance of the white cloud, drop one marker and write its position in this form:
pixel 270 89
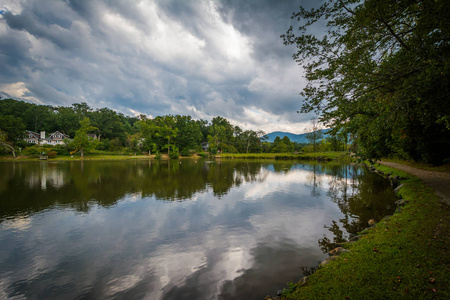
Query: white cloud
pixel 146 56
pixel 18 90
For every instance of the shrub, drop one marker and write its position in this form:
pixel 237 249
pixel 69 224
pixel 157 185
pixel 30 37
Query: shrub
pixel 185 152
pixel 52 154
pixel 174 155
pixel 61 150
pixel 32 151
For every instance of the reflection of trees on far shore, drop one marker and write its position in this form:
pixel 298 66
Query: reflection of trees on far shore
pixel 34 186
pixel 361 196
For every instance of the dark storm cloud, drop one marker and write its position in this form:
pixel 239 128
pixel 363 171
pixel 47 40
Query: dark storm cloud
pixel 204 58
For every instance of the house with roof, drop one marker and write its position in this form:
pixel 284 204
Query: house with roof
pixel 32 137
pixel 56 138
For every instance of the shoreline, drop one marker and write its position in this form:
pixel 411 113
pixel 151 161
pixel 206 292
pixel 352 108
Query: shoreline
pixel 403 255
pixel 318 156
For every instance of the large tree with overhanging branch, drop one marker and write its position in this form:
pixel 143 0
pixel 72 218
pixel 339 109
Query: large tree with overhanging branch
pixel 381 70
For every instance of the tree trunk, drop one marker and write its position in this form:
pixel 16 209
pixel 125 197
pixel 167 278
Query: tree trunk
pixel 11 148
pixel 82 152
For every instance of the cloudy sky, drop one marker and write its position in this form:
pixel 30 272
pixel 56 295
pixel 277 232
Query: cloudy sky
pixel 156 57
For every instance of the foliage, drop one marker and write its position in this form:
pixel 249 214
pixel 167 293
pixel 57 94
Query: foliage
pixel 5 145
pixel 61 150
pixel 174 154
pixel 29 151
pixel 82 142
pixel 189 133
pixel 203 154
pixel 52 154
pixel 283 145
pixel 380 71
pixel 13 127
pixel 117 133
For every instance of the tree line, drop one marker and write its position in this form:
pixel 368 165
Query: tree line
pixel 171 134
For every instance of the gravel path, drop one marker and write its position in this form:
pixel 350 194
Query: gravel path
pixel 439 181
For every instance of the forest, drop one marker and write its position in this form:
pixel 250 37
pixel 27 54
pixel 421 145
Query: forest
pixel 114 132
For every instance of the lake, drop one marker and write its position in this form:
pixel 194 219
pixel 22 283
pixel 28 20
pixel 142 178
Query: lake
pixel 180 229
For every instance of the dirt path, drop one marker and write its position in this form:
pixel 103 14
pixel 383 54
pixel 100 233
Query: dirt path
pixel 439 181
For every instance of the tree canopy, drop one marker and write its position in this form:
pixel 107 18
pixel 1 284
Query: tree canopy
pixel 381 71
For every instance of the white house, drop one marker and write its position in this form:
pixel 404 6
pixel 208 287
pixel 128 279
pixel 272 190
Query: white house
pixel 56 138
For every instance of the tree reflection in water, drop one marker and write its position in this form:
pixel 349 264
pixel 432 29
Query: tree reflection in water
pixel 360 198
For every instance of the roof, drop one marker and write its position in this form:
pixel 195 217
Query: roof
pixel 34 134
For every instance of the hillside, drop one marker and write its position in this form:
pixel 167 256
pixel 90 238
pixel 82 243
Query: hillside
pixel 299 138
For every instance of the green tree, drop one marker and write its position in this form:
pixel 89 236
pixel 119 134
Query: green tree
pixel 217 136
pixel 222 132
pixel 148 130
pixel 67 120
pixel 82 142
pixel 12 127
pixel 109 124
pixel 166 130
pixel 189 135
pixel 380 69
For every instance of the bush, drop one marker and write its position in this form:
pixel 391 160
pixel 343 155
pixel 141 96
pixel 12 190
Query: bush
pixel 185 152
pixel 32 151
pixel 52 154
pixel 213 151
pixel 203 154
pixel 61 150
pixel 174 155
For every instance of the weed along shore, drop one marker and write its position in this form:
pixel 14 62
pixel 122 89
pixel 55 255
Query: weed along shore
pixel 403 256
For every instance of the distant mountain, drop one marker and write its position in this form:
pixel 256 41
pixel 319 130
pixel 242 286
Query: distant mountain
pixel 299 138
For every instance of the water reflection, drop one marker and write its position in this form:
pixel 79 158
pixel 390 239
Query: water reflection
pixel 225 230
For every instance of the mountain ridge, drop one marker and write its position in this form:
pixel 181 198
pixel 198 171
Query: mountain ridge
pixel 298 138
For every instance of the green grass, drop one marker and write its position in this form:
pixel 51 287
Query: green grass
pixel 78 157
pixel 403 257
pixel 306 156
pixel 103 155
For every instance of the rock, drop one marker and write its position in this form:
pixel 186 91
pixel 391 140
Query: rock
pixel 303 281
pixel 371 222
pixel 386 217
pixel 337 251
pixel 401 202
pixel 326 261
pixel 355 238
pixel 397 189
pixel 394 181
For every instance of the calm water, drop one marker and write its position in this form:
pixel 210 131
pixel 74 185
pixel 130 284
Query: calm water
pixel 174 230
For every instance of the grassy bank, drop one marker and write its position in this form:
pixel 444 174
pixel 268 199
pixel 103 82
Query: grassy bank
pixel 403 256
pixel 77 157
pixel 302 156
